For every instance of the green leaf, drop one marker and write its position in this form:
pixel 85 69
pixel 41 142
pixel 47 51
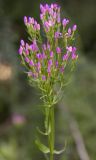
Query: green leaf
pixel 59 152
pixel 44 133
pixel 42 147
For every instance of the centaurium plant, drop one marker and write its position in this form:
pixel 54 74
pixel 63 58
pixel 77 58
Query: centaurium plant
pixel 47 63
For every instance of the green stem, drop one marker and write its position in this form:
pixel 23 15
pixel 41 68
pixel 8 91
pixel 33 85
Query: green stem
pixel 52 131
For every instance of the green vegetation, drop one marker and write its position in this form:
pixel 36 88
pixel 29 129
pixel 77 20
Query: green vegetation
pixel 17 141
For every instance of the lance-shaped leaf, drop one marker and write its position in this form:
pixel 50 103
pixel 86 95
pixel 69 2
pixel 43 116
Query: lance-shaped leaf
pixel 44 133
pixel 61 151
pixel 42 147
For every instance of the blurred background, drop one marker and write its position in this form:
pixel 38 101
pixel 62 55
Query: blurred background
pixel 20 112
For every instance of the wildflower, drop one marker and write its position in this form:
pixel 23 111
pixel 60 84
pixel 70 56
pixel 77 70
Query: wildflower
pixel 22 43
pixel 51 54
pixel 42 8
pixel 20 50
pixel 58 34
pixel 46 25
pixel 45 61
pixel 39 66
pixel 74 56
pixel 34 47
pixel 18 119
pixel 69 31
pixel 65 22
pixel 27 46
pixel 74 27
pixel 41 16
pixel 65 57
pixel 27 59
pixel 50 62
pixel 25 20
pixel 31 63
pixel 69 48
pixel 27 52
pixel 44 78
pixel 36 26
pixel 31 20
pixel 58 50
pixel 74 49
pixel 42 58
pixel 49 69
pixel 39 56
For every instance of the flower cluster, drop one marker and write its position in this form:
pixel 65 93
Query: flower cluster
pixel 30 22
pixel 48 61
pixel 50 15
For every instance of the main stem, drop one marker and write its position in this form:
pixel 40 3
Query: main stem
pixel 52 132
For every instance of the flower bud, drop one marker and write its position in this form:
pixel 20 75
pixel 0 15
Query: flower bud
pixel 20 50
pixel 58 50
pixel 74 28
pixel 25 20
pixel 65 22
pixel 51 54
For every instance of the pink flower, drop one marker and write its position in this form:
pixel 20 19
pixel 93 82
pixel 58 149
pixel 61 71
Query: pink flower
pixel 51 54
pixel 27 59
pixel 49 69
pixel 22 43
pixel 20 50
pixel 18 119
pixel 41 16
pixel 43 77
pixel 27 52
pixel 50 23
pixel 74 56
pixel 74 27
pixel 65 22
pixel 65 57
pixel 46 25
pixel 43 59
pixel 74 50
pixel 69 49
pixel 58 50
pixel 39 56
pixel 42 8
pixel 31 63
pixel 25 20
pixel 39 66
pixel 69 31
pixel 50 62
pixel 58 34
